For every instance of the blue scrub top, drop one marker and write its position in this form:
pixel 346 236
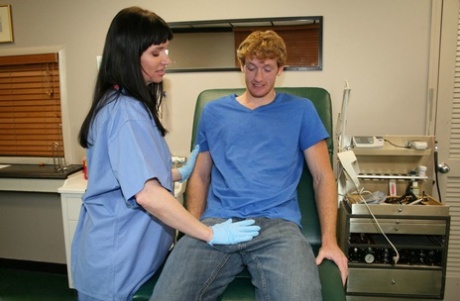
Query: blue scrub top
pixel 118 245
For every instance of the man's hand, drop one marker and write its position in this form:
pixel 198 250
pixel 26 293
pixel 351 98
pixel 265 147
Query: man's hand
pixel 334 253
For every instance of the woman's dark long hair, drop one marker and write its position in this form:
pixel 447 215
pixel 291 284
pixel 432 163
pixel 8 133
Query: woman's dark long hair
pixel 131 32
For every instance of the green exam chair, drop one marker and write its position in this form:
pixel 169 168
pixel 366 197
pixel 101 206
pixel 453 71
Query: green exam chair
pixel 241 288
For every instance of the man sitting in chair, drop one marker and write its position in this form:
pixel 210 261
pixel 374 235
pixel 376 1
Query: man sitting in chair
pixel 252 148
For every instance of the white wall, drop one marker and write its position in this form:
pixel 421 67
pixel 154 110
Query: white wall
pixel 380 46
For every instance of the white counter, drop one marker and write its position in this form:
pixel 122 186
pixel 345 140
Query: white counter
pixel 34 177
pixel 75 183
pixel 30 185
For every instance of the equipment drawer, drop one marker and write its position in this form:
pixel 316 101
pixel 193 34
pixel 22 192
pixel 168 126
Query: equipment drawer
pixel 399 226
pixel 396 281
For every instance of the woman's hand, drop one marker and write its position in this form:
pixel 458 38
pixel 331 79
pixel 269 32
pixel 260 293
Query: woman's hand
pixel 186 170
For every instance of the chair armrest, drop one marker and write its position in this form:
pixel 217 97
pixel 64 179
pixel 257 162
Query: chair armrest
pixel 331 281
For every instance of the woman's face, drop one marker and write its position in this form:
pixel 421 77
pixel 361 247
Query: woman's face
pixel 154 61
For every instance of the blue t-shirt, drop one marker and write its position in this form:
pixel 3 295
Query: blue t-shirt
pixel 118 245
pixel 257 155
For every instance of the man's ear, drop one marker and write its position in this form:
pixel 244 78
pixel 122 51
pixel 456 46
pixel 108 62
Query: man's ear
pixel 280 70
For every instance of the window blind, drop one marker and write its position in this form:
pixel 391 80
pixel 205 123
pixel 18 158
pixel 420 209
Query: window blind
pixel 301 42
pixel 30 106
pixel 452 194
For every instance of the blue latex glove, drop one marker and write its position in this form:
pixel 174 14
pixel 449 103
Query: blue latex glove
pixel 186 170
pixel 228 233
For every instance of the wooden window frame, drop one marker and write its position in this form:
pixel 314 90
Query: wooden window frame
pixel 301 42
pixel 30 106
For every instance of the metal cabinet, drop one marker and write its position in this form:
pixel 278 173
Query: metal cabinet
pixel 419 234
pixel 396 250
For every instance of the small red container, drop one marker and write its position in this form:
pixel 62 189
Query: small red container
pixel 85 169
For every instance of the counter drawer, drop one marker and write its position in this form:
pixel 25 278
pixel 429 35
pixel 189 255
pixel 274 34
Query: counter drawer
pixel 395 281
pixel 72 206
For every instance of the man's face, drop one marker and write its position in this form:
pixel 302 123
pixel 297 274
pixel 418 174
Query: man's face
pixel 260 75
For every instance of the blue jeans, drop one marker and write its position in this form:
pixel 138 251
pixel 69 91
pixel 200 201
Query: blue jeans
pixel 280 261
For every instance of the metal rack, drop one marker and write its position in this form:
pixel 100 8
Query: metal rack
pixel 395 252
pixel 420 234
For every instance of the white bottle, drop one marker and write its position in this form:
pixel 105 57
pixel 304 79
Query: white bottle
pixel 415 188
pixel 422 171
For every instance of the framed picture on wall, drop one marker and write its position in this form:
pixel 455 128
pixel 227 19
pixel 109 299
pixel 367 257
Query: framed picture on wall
pixel 6 25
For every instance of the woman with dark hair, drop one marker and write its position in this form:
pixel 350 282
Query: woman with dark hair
pixel 129 212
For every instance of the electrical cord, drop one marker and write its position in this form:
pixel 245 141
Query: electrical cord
pixel 396 257
pixel 436 172
pixel 361 198
pixel 359 193
pixel 395 145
